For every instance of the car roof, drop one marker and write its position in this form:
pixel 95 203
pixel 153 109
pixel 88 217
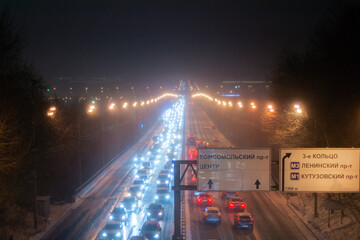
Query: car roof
pixel 113 223
pixel 213 208
pixel 243 214
pixel 151 223
pixel 130 198
pixel 236 199
pixel 156 204
pixel 204 194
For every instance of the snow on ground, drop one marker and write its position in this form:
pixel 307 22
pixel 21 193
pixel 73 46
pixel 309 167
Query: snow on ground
pixel 303 205
pixel 56 211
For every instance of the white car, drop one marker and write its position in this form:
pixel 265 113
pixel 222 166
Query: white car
pixel 212 215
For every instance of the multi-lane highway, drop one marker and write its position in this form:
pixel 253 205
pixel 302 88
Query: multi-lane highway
pixel 88 216
pixel 273 219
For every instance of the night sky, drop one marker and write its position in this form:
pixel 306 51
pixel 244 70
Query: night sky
pixel 162 41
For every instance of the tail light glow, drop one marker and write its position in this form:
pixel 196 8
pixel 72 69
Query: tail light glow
pixel 199 200
pixel 209 200
pixel 231 205
pixel 243 205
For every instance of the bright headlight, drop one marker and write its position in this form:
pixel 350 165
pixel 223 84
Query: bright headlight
pixel 122 205
pixel 156 235
pixel 160 214
pixel 129 194
pixel 123 217
pixel 118 234
pixel 133 206
pixel 138 194
pixel 158 181
pixel 156 197
pixel 167 196
pixel 111 217
pixel 104 234
pixel 136 176
pixel 167 181
pixel 148 214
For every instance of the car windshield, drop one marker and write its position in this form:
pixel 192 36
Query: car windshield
pixel 205 195
pixel 236 199
pixel 212 211
pixel 163 176
pixel 129 199
pixel 155 206
pixel 245 218
pixel 112 226
pixel 138 182
pixel 118 210
pixel 149 227
pixel 163 185
pixel 142 171
pixel 162 191
pixel 134 189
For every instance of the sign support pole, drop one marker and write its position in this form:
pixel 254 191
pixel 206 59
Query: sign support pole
pixel 177 188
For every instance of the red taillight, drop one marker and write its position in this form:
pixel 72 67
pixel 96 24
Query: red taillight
pixel 252 219
pixel 194 179
pixel 209 200
pixel 205 214
pixel 219 214
pixel 199 200
pixel 243 205
pixel 238 219
pixel 231 205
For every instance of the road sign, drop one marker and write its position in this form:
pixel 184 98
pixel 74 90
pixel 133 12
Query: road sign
pixel 232 170
pixel 319 169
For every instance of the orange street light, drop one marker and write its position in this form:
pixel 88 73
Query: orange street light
pixel 112 106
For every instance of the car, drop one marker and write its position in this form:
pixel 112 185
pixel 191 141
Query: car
pixel 138 238
pixel 166 171
pixel 207 127
pixel 130 204
pixel 243 220
pixel 147 165
pixel 155 211
pixel 118 214
pixel 112 230
pixel 139 182
pixel 236 203
pixel 138 158
pixel 229 194
pixel 163 178
pixel 212 215
pixel 216 139
pixel 204 199
pixel 151 230
pixel 135 191
pixel 163 185
pixel 162 195
pixel 143 174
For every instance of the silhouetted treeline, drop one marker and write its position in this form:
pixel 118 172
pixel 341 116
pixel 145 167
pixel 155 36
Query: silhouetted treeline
pixel 43 152
pixel 325 78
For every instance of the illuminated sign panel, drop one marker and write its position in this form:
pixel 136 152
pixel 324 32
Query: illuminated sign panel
pixel 319 169
pixel 230 169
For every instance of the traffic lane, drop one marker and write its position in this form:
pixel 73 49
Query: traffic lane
pixel 271 221
pixel 79 224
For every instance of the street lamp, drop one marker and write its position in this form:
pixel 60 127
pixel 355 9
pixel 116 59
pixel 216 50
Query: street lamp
pixel 51 111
